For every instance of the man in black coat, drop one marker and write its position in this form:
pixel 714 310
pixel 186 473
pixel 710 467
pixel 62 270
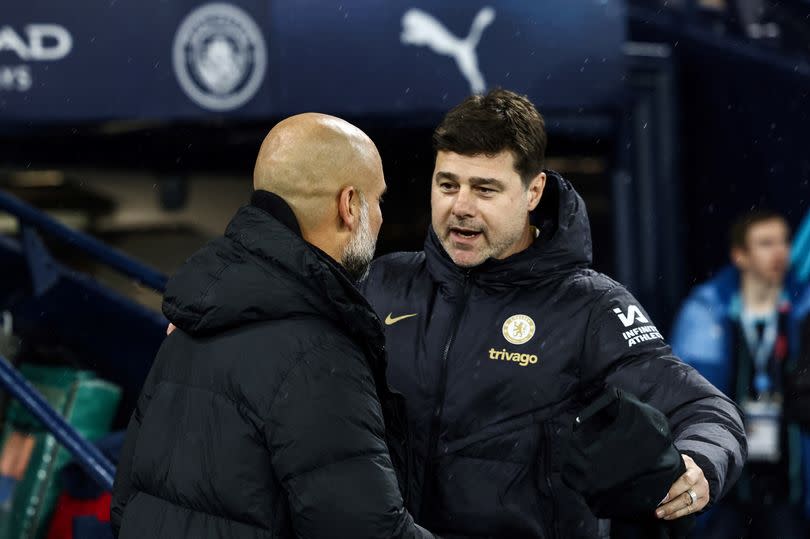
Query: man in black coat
pixel 499 334
pixel 267 414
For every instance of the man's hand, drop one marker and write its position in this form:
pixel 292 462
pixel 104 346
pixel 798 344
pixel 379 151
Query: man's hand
pixel 689 494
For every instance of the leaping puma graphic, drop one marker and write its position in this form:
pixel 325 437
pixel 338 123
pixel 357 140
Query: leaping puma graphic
pixel 421 28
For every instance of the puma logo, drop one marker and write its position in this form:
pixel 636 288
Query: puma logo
pixel 420 28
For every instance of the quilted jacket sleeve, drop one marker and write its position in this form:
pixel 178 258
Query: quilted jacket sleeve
pixel 624 348
pixel 325 432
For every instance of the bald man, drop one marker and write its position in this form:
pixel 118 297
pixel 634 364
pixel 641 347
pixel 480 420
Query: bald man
pixel 267 414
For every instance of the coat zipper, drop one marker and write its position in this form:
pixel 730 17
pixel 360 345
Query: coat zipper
pixel 435 426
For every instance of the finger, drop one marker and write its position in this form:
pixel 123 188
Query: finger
pixel 678 503
pixel 690 478
pixel 699 504
pixel 682 503
pixel 688 510
pixel 684 483
pixel 684 500
pixel 701 491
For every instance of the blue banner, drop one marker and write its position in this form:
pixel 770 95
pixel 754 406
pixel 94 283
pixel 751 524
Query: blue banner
pixel 95 60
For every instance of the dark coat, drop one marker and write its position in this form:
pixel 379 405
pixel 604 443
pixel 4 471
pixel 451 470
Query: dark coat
pixel 494 362
pixel 265 414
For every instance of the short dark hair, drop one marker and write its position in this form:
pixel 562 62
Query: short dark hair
pixel 744 223
pixel 489 124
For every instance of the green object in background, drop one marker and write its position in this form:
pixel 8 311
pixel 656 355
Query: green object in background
pixel 89 405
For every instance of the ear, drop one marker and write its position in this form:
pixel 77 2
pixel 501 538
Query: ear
pixel 738 257
pixel 535 190
pixel 348 208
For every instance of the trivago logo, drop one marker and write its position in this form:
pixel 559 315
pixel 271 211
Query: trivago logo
pixel 521 359
pixel 33 43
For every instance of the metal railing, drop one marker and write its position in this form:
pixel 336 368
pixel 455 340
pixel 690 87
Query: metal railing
pixel 86 454
pixel 91 246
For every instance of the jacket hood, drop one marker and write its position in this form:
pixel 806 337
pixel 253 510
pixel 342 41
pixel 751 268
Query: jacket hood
pixel 262 270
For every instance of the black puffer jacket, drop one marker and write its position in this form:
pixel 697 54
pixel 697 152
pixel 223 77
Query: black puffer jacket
pixel 262 416
pixel 496 361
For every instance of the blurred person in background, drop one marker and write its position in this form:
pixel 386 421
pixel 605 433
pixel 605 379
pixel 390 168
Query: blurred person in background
pixel 797 391
pixel 740 330
pixel 499 334
pixel 266 413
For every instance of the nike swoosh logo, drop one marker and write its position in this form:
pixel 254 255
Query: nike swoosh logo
pixel 390 321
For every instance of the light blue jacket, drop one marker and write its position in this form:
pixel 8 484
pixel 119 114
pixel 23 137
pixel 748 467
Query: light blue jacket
pixel 702 337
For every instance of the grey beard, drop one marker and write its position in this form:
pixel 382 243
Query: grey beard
pixel 359 251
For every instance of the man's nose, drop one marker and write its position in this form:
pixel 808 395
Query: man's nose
pixel 464 205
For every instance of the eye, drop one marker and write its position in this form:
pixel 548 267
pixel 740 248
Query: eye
pixel 446 186
pixel 486 190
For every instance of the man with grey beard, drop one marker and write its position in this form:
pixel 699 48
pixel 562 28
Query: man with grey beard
pixel 267 412
pixel 359 251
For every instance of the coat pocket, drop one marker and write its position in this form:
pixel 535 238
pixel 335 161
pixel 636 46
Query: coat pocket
pixel 486 486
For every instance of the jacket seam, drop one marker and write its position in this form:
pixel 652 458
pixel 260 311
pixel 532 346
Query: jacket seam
pixel 236 403
pixel 357 455
pixel 523 462
pixel 206 513
pixel 215 280
pixel 299 360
